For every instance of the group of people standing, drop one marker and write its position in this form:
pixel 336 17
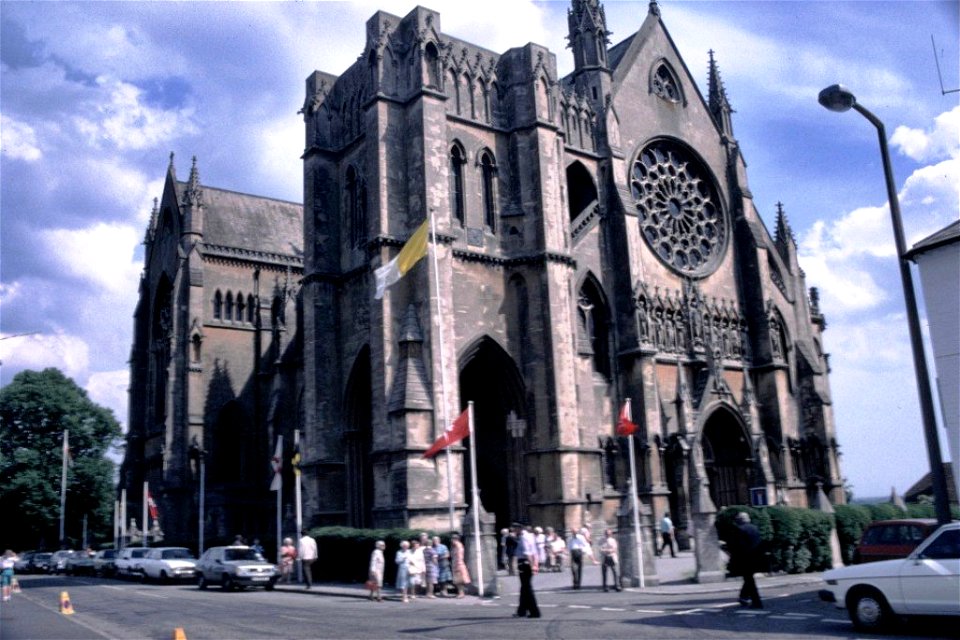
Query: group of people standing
pixel 425 566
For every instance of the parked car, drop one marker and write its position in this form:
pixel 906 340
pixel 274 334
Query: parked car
pixel 889 539
pixel 926 582
pixel 169 563
pixel 128 561
pixel 58 561
pixel 80 563
pixel 105 562
pixel 40 562
pixel 22 563
pixel 235 567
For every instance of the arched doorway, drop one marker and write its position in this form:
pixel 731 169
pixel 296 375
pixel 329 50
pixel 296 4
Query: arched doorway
pixel 489 377
pixel 357 441
pixel 728 458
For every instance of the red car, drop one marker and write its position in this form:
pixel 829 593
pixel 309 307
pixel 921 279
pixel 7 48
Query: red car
pixel 888 539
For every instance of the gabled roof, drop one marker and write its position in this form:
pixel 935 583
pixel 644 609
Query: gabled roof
pixel 255 223
pixel 948 235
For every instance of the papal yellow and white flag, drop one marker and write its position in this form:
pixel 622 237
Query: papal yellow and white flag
pixel 414 249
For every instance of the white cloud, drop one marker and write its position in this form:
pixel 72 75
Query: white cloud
pixel 123 121
pixel 69 353
pixel 109 389
pixel 101 254
pixel 18 140
pixel 941 141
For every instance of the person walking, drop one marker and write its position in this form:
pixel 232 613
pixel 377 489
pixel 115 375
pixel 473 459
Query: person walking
pixel 610 559
pixel 432 564
pixel 6 573
pixel 288 554
pixel 510 544
pixel 528 564
pixel 417 568
pixel 461 576
pixel 576 546
pixel 445 576
pixel 402 559
pixel 744 552
pixel 375 571
pixel 666 535
pixel 308 555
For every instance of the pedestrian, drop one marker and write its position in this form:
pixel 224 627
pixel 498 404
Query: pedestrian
pixel 744 551
pixel 6 572
pixel 308 555
pixel 432 565
pixel 402 559
pixel 510 544
pixel 575 546
pixel 375 572
pixel 288 554
pixel 541 538
pixel 417 568
pixel 528 565
pixel 445 576
pixel 558 548
pixel 256 546
pixel 502 546
pixel 238 540
pixel 666 535
pixel 461 576
pixel 610 559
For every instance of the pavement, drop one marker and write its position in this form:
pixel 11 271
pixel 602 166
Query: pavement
pixel 676 578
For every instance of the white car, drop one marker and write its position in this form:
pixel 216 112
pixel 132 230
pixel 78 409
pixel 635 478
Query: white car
pixel 168 563
pixel 926 582
pixel 235 567
pixel 128 561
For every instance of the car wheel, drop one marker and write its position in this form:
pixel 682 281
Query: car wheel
pixel 202 582
pixel 164 579
pixel 227 583
pixel 869 610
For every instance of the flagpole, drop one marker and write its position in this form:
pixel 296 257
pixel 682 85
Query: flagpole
pixel 475 498
pixel 443 370
pixel 63 484
pixel 298 497
pixel 145 524
pixel 123 518
pixel 633 498
pixel 279 476
pixel 116 524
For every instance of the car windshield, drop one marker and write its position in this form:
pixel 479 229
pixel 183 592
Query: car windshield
pixel 138 553
pixel 176 554
pixel 241 554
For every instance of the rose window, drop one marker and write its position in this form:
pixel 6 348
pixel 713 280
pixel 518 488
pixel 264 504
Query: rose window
pixel 679 210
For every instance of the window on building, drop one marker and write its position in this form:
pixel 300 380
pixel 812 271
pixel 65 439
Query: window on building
pixel 581 190
pixel 240 307
pixel 228 307
pixel 488 170
pixel 251 309
pixel 431 60
pixel 217 306
pixel 457 160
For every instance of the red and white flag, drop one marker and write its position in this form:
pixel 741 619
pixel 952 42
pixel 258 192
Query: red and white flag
pixel 277 463
pixel 152 507
pixel 453 434
pixel 626 426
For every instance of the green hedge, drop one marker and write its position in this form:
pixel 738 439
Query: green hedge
pixel 344 553
pixel 852 519
pixel 793 540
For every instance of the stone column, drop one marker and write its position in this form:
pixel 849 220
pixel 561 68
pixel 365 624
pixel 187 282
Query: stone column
pixel 488 552
pixel 821 503
pixel 711 566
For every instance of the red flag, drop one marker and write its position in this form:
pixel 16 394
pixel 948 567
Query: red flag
pixel 456 432
pixel 625 426
pixel 152 506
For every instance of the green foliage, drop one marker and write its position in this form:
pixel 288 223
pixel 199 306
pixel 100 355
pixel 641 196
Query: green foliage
pixel 885 511
pixel 35 409
pixel 346 551
pixel 793 540
pixel 852 519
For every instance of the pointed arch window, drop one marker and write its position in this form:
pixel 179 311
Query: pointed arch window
pixel 488 171
pixel 240 307
pixel 228 307
pixel 431 60
pixel 457 160
pixel 665 85
pixel 251 309
pixel 217 305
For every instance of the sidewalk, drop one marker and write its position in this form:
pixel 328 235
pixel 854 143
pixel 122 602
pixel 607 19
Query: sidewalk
pixel 675 579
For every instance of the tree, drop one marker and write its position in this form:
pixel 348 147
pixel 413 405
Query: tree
pixel 35 409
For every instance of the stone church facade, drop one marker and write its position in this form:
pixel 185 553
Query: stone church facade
pixel 215 362
pixel 596 242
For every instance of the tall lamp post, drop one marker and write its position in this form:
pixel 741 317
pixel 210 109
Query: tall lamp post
pixel 839 98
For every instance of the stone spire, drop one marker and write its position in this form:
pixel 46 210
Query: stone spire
pixel 783 231
pixel 588 34
pixel 717 99
pixel 154 217
pixel 193 196
pixel 410 390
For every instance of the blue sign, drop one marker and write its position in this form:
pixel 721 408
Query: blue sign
pixel 758 497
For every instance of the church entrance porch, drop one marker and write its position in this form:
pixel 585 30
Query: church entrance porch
pixel 489 378
pixel 728 459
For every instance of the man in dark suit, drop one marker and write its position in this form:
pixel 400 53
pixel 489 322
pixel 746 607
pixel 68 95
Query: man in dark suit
pixel 744 559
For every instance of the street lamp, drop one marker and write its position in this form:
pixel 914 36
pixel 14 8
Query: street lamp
pixel 839 98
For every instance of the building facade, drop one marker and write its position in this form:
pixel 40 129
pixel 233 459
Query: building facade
pixel 596 243
pixel 214 368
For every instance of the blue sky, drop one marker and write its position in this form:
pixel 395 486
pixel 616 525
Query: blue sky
pixel 95 96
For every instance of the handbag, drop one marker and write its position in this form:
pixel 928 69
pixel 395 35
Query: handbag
pixel 371 585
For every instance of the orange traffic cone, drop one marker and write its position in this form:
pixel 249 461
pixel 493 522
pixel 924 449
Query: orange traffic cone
pixel 65 607
pixel 178 634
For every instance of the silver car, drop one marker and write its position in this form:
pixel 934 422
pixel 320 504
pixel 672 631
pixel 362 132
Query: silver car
pixel 235 567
